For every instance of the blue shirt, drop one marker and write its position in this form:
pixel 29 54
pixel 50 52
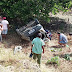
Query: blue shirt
pixel 37 45
pixel 63 38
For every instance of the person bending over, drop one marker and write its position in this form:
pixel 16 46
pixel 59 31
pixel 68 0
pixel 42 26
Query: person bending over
pixel 62 39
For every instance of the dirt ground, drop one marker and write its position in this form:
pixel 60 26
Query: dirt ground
pixel 15 62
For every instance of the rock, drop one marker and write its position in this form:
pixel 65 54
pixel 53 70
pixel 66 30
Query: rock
pixel 2 69
pixel 32 66
pixel 10 68
pixel 26 64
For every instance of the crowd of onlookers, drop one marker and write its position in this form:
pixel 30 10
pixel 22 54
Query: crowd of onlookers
pixel 4 25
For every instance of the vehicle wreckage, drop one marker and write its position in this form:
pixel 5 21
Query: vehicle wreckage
pixel 29 32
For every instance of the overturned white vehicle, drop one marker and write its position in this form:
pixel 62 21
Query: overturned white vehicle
pixel 29 32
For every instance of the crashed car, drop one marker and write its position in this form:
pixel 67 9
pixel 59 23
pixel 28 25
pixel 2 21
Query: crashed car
pixel 30 31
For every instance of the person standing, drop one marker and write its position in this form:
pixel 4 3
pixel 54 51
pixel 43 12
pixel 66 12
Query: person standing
pixel 5 24
pixel 62 39
pixel 37 47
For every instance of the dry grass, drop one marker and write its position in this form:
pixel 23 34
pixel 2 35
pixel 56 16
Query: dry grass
pixel 20 62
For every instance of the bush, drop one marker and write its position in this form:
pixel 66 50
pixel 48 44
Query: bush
pixel 22 10
pixel 56 49
pixel 53 60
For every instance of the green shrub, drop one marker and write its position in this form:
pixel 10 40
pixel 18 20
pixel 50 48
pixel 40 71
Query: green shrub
pixel 22 10
pixel 53 60
pixel 56 49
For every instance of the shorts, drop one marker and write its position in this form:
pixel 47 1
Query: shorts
pixel 63 42
pixel 4 31
pixel 38 56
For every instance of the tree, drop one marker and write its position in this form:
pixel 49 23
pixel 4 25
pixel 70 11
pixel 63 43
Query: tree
pixel 26 9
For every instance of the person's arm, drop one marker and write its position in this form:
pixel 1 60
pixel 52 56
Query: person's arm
pixel 60 38
pixel 2 28
pixel 8 26
pixel 43 44
pixel 31 48
pixel 43 48
pixel 32 44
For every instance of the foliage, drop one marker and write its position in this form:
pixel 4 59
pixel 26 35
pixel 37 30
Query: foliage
pixel 56 49
pixel 53 60
pixel 22 10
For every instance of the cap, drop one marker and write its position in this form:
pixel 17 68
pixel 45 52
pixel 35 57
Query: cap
pixel 4 17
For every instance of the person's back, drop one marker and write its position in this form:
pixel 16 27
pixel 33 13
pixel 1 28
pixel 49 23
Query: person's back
pixel 5 23
pixel 37 48
pixel 63 38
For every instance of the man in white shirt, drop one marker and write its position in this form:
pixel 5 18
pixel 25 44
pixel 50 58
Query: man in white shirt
pixel 5 24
